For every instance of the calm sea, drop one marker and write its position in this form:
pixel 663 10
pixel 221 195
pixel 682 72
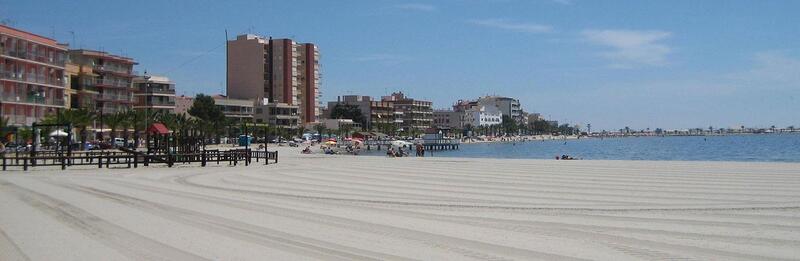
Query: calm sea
pixel 766 147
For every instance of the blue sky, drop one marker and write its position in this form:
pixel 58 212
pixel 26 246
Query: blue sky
pixel 643 64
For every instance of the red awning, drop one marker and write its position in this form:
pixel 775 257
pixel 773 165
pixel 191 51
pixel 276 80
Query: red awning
pixel 158 128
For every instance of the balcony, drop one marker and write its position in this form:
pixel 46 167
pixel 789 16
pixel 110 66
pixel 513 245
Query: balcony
pixel 30 99
pixel 160 103
pixel 115 97
pixel 109 83
pixel 112 69
pixel 30 78
pixel 32 56
pixel 158 91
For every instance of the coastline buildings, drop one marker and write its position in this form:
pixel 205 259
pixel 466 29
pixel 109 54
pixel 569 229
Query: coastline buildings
pixel 415 114
pixel 277 114
pixel 281 70
pixel 104 81
pixel 448 119
pixel 506 105
pixel 375 112
pixel 32 76
pixel 483 116
pixel 154 93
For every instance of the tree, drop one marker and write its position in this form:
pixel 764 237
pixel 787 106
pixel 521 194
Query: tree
pixel 542 126
pixel 205 109
pixel 115 121
pixel 347 111
pixel 509 125
pixel 320 129
pixel 3 132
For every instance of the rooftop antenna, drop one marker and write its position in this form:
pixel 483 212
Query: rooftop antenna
pixel 73 37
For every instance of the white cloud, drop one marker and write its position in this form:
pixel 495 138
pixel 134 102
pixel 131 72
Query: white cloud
pixel 513 26
pixel 772 68
pixel 416 7
pixel 631 48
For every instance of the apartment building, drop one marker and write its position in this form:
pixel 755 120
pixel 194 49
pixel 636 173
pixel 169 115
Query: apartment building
pixel 507 106
pixel 376 112
pixel 154 93
pixel 281 70
pixel 240 110
pixel 277 114
pixel 415 114
pixel 103 82
pixel 448 119
pixel 32 76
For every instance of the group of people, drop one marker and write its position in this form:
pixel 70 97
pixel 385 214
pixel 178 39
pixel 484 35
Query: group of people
pixel 401 152
pixel 565 157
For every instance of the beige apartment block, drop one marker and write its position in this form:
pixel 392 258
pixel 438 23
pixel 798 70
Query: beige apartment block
pixel 281 70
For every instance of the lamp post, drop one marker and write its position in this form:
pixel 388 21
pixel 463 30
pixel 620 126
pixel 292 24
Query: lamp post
pixel 146 111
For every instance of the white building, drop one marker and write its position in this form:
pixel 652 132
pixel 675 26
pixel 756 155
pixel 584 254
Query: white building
pixel 483 116
pixel 506 105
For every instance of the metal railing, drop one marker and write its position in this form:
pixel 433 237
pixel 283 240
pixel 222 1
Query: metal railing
pixel 13 97
pixel 20 76
pixel 35 57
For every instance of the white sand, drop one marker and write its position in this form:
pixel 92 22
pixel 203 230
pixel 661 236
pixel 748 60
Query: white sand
pixel 354 208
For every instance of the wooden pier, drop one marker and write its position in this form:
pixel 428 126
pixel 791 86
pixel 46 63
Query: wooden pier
pixel 437 144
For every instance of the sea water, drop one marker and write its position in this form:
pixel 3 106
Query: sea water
pixel 755 147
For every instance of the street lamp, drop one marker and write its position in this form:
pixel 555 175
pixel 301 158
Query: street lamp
pixel 146 111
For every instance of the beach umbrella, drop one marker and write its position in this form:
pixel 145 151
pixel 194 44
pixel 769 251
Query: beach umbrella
pixel 58 133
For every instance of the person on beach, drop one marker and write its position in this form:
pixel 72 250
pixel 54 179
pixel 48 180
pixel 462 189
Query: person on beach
pixel 390 152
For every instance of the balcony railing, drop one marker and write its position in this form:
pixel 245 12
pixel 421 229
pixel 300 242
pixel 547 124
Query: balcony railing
pixel 25 77
pixel 159 103
pixel 109 82
pixel 113 69
pixel 13 97
pixel 35 57
pixel 116 97
pixel 158 91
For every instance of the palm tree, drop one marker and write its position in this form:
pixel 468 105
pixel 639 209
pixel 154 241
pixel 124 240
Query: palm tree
pixel 81 119
pixel 3 132
pixel 320 128
pixel 115 121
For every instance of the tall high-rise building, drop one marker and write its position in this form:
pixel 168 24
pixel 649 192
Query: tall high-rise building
pixel 281 70
pixel 32 83
pixel 103 83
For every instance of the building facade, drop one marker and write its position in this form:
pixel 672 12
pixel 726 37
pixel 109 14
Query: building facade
pixel 183 103
pixel 415 114
pixel 506 105
pixel 32 76
pixel 448 119
pixel 277 114
pixel 281 70
pixel 483 116
pixel 103 82
pixel 240 110
pixel 375 112
pixel 154 94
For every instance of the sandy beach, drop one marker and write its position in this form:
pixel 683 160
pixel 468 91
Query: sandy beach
pixel 310 207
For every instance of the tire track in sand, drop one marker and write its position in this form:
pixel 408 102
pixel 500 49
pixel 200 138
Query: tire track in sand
pixel 128 243
pixel 10 250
